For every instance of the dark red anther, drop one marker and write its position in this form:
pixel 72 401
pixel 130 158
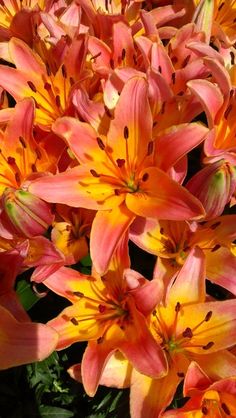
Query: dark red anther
pixel 120 162
pixel 187 333
pixel 204 410
pixel 32 86
pixel 79 294
pixel 126 132
pixel 102 308
pixel 208 316
pixel 208 346
pixel 94 173
pixel 177 306
pixel 150 148
pixel 100 143
pixel 225 409
pixel 74 321
pixel 58 100
pixel 63 71
pixel 47 86
pixel 22 141
pixel 123 54
pixel 11 160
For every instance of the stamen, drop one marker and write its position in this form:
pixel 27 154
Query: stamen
pixel 47 86
pixel 173 77
pixel 180 374
pixel 220 6
pixel 79 294
pixel 38 153
pixel 94 173
pixel 225 409
pixel 93 58
pixel 17 178
pixel 102 308
pixel 63 71
pixel 177 306
pixel 33 168
pixel 187 333
pixel 120 162
pixel 32 86
pixel 126 132
pixel 58 100
pixel 123 54
pixel 215 248
pixel 74 321
pixel 208 316
pixel 232 58
pixel 22 141
pixel 208 345
pixel 163 108
pixel 101 144
pixel 204 410
pixel 159 69
pixel 112 64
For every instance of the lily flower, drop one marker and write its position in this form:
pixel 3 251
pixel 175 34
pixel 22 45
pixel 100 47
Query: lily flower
pixel 118 175
pixel 172 242
pixel 21 213
pixel 207 398
pixel 71 231
pixel 188 329
pixel 32 77
pixel 111 313
pixel 24 342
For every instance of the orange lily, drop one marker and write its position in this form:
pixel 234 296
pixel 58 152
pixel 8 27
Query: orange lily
pixel 172 242
pixel 188 329
pixel 21 213
pixel 109 312
pixel 49 87
pixel 118 174
pixel 207 398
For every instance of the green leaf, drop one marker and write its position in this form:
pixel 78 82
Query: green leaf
pixel 26 295
pixel 55 412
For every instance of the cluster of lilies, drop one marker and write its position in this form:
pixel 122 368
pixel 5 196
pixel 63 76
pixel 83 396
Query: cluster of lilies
pixel 118 124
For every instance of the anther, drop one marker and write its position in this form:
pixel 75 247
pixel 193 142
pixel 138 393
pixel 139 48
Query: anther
pixel 162 232
pixel 174 60
pixel 177 306
pixel 232 58
pixel 220 6
pixel 208 346
pixel 187 333
pixel 225 409
pixel 117 192
pixel 102 308
pixel 63 71
pixel 173 77
pixel 208 316
pixel 126 132
pixel 74 321
pixel 150 148
pixel 100 143
pixel 72 81
pixel 11 160
pixel 100 340
pixel 32 86
pixel 94 173
pixel 47 86
pixel 215 248
pixel 120 162
pixel 204 410
pixel 79 294
pixel 33 168
pixel 180 374
pixel 159 69
pixel 123 54
pixel 58 100
pixel 145 177
pixel 22 141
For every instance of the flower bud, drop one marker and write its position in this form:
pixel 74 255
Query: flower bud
pixel 214 186
pixel 29 215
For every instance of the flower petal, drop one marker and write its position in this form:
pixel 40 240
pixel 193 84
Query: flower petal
pixel 162 197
